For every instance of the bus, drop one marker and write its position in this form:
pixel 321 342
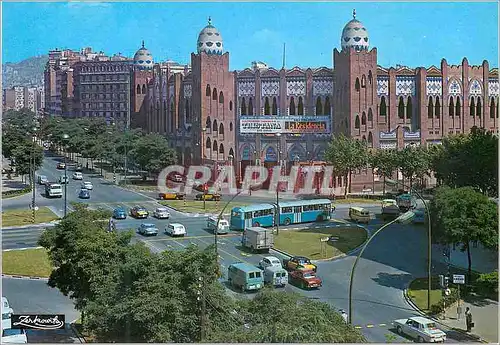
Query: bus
pixel 291 212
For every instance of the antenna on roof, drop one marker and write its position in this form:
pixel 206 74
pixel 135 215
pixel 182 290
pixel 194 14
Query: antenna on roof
pixel 354 13
pixel 209 20
pixel 143 43
pixel 284 54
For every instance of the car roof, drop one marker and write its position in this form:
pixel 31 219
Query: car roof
pixel 421 319
pixel 162 208
pixel 148 224
pixel 84 190
pixel 271 258
pixel 245 267
pixel 176 224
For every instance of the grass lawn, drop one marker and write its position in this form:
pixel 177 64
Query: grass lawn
pixel 195 206
pixel 417 291
pixel 307 242
pixel 30 262
pixel 23 217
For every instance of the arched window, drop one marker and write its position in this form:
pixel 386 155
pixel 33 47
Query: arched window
pixel 409 108
pixel 172 115
pixel 401 108
pixel 356 86
pixel 275 106
pixel 221 130
pixel 214 126
pixel 267 107
pixel 221 148
pixel 214 94
pixel 479 107
pixel 319 106
pixel 458 108
pixel 143 89
pixel 250 107
pixel 208 91
pixel 430 109
pixel 230 105
pixel 328 109
pixel 370 139
pixel 165 109
pixel 243 107
pixel 187 111
pixel 437 108
pixel 230 126
pixel 363 81
pixel 370 77
pixel 300 107
pixel 221 97
pixel 208 144
pixel 292 106
pixel 208 124
pixel 492 108
pixel 356 122
pixel 138 89
pixel 451 107
pixel 370 115
pixel 363 119
pixel 472 107
pixel 363 139
pixel 383 107
pixel 215 146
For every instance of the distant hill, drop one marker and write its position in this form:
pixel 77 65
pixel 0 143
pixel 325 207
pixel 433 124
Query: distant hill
pixel 28 72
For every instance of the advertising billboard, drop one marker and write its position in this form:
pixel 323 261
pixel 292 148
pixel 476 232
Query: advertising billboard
pixel 285 124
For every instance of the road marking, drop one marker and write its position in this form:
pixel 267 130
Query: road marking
pixel 382 325
pixel 369 326
pixel 357 327
pixel 191 237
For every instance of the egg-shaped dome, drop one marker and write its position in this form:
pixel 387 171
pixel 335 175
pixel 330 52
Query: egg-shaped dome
pixel 355 35
pixel 210 40
pixel 143 58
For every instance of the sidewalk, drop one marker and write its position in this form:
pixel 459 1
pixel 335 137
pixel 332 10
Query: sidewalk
pixel 484 316
pixel 12 183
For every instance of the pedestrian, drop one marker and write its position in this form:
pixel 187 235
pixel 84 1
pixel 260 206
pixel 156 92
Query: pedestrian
pixel 468 319
pixel 344 315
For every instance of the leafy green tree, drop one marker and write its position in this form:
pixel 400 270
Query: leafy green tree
pixel 461 216
pixel 469 160
pixel 414 162
pixel 346 155
pixel 386 162
pixel 153 153
pixel 25 156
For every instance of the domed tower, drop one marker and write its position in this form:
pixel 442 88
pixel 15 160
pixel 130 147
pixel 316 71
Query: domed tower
pixel 212 101
pixel 142 74
pixel 355 68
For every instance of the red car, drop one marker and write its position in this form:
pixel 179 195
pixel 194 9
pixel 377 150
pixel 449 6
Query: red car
pixel 305 279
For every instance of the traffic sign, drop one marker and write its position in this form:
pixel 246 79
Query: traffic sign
pixel 458 279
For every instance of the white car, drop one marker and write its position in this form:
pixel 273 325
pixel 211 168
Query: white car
pixel 87 185
pixel 269 261
pixel 175 229
pixel 421 329
pixel 77 176
pixel 11 335
pixel 7 311
pixel 161 213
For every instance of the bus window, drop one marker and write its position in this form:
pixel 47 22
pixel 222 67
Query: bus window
pixel 297 209
pixel 287 209
pixel 236 214
pixel 248 215
pixel 262 213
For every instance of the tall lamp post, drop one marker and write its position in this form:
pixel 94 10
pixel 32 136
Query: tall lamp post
pixel 65 139
pixel 33 185
pixel 402 218
pixel 203 144
pixel 429 235
pixel 278 136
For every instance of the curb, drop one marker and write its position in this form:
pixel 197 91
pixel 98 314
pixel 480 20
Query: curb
pixel 24 277
pixel 37 225
pixel 17 249
pixel 420 311
pixel 77 333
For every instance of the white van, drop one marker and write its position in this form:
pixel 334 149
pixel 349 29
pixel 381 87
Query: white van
pixel 359 215
pixel 175 229
pixel 11 335
pixel 223 225
pixel 276 276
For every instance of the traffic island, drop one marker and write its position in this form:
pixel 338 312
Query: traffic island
pixel 26 263
pixel 22 217
pixel 196 206
pixel 324 243
pixel 418 292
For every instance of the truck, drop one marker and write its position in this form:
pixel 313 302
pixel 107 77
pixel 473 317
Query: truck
pixel 53 190
pixel 390 209
pixel 245 277
pixel 406 202
pixel 258 238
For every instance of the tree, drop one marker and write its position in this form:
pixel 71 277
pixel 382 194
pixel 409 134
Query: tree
pixel 414 162
pixel 469 160
pixel 386 162
pixel 27 156
pixel 461 216
pixel 153 153
pixel 346 155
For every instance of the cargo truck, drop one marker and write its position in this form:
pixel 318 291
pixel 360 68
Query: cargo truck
pixel 406 202
pixel 258 239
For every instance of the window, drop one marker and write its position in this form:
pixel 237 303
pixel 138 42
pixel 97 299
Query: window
pixel 479 108
pixel 328 109
pixel 243 107
pixel 430 109
pixel 356 122
pixel 451 108
pixel 138 89
pixel 214 94
pixel 370 115
pixel 214 126
pixel 257 274
pixel 248 215
pixel 287 209
pixel 250 107
pixel 297 209
pixel 292 106
pixel 221 97
pixel 275 106
pixel 492 108
pixel 208 92
pixel 472 107
pixel 363 81
pixel 363 119
pixel 230 126
pixel 208 143
pixel 262 213
pixel 401 108
pixel 409 108
pixel 301 107
pixel 458 108
pixel 251 275
pixel 143 89
pixel 383 107
pixel 319 106
pixel 267 108
pixel 230 105
pixel 357 85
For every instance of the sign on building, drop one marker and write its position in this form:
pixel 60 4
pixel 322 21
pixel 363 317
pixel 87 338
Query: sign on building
pixel 458 279
pixel 285 125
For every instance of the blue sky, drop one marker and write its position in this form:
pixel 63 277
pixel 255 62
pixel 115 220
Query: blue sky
pixel 412 34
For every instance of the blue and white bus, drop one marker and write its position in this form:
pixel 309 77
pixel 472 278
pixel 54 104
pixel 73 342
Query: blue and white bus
pixel 291 212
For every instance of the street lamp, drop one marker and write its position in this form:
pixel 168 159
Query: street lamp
pixel 33 186
pixel 402 218
pixel 203 144
pixel 278 136
pixel 429 236
pixel 65 139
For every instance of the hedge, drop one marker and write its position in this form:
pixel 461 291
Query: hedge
pixel 16 192
pixel 487 283
pixel 437 308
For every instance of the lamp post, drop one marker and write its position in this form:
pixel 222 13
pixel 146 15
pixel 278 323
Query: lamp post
pixel 203 144
pixel 65 139
pixel 278 136
pixel 429 236
pixel 33 186
pixel 404 217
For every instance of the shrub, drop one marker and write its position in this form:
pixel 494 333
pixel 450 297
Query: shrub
pixel 12 193
pixel 487 283
pixel 448 300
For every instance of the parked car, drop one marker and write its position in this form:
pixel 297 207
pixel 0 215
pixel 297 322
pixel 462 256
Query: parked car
pixel 61 166
pixel 161 213
pixel 63 179
pixel 299 263
pixel 139 212
pixel 84 194
pixel 175 229
pixel 77 176
pixel 421 329
pixel 208 196
pixel 87 185
pixel 269 261
pixel 119 213
pixel 148 229
pixel 42 179
pixel 171 195
pixel 305 279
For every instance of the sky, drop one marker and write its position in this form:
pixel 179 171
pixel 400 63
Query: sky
pixel 406 33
